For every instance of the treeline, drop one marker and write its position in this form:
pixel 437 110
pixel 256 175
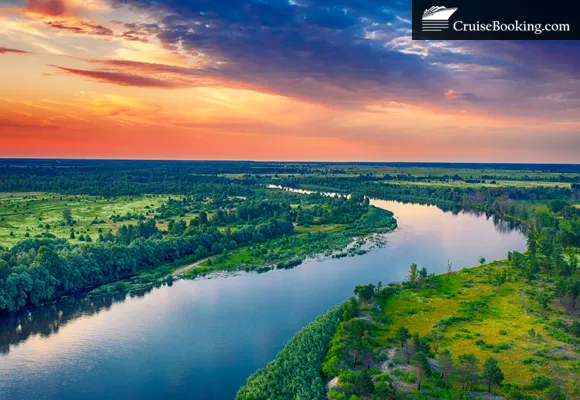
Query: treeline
pixel 295 373
pixel 102 179
pixel 39 270
pixel 506 202
pixel 484 178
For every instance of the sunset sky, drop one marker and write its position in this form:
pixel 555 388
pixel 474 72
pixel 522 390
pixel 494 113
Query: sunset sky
pixel 275 80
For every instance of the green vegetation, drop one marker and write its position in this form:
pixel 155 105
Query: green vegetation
pixel 294 374
pixel 508 327
pixel 230 225
pixel 46 215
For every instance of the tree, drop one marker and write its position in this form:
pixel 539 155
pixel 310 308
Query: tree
pixel 359 340
pixel 410 350
pixel 413 274
pixel 365 292
pixel 403 335
pixel 67 216
pixel 449 267
pixel 203 218
pixel 468 367
pixel 445 363
pixel 500 278
pixel 422 278
pixel 492 373
pixel 419 361
pixel 365 383
pixel 436 338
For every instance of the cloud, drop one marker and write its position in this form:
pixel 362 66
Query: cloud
pixel 5 50
pixel 50 7
pixel 316 50
pixel 81 27
pixel 462 96
pixel 125 79
pixel 26 124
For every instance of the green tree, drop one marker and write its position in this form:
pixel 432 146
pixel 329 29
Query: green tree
pixel 436 338
pixel 467 368
pixel 413 274
pixel 203 218
pixel 365 292
pixel 67 216
pixel 403 334
pixel 492 373
pixel 421 364
pixel 445 363
pixel 364 383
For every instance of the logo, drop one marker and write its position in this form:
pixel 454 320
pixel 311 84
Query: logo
pixel 436 18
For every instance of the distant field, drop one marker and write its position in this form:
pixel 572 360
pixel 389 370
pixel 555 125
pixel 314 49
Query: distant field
pixel 38 213
pixel 499 183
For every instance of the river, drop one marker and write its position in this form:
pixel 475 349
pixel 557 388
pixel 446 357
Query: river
pixel 201 339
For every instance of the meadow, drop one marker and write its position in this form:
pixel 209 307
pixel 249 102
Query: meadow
pixel 36 214
pixel 465 312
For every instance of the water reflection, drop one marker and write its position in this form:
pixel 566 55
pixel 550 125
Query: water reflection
pixel 49 319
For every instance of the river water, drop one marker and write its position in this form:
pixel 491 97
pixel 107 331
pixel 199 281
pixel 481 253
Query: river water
pixel 201 339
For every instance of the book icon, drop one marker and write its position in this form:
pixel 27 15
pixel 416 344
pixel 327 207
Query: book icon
pixel 436 18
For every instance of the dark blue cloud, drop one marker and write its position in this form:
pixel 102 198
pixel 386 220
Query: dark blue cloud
pixel 299 48
pixel 351 51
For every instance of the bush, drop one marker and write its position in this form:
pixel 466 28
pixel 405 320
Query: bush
pixel 408 377
pixel 539 382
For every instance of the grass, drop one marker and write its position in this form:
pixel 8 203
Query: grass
pixel 30 213
pixel 499 327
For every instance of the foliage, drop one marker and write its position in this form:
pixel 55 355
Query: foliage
pixel 294 374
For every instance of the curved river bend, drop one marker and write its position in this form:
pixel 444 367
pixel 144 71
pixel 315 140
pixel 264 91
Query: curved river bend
pixel 201 339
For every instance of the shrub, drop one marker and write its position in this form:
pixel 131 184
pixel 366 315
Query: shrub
pixel 539 382
pixel 408 377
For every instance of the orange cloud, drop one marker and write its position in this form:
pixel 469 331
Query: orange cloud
pixel 81 27
pixel 5 50
pixel 125 79
pixel 50 7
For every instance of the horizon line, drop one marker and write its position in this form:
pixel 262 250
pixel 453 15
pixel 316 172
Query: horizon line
pixel 284 161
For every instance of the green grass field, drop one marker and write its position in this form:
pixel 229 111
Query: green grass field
pixel 508 324
pixel 507 319
pixel 30 213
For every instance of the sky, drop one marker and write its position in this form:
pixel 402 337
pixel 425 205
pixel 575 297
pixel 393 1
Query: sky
pixel 292 80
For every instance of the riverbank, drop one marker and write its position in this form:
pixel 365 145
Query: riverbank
pixel 336 240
